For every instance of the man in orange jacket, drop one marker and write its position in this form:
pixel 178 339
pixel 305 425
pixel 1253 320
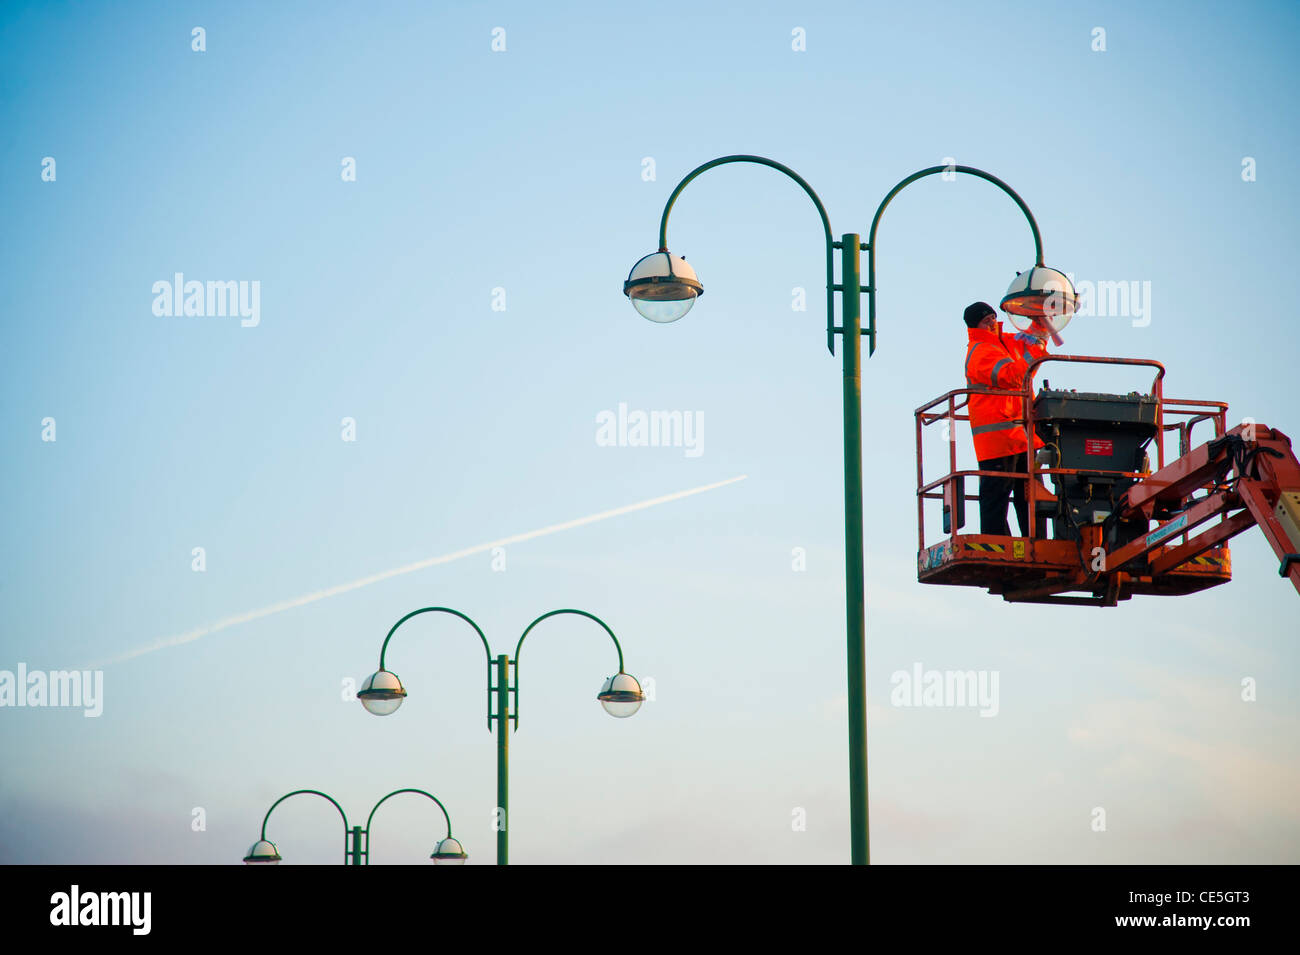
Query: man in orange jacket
pixel 997 422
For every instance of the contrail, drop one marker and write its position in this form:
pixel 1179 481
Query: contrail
pixel 190 636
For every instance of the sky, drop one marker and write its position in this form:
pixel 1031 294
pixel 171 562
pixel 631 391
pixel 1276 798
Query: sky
pixel 438 204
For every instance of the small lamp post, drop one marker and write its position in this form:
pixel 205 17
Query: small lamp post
pixel 382 693
pixel 356 840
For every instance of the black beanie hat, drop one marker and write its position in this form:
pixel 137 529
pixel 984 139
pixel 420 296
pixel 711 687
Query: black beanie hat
pixel 977 312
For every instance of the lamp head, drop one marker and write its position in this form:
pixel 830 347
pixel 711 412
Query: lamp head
pixel 1043 297
pixel 449 852
pixel 662 287
pixel 382 693
pixel 262 853
pixel 621 696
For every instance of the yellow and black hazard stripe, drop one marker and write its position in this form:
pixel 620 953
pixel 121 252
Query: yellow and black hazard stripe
pixel 1205 560
pixel 994 548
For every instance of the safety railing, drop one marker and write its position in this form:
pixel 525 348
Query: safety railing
pixel 949 488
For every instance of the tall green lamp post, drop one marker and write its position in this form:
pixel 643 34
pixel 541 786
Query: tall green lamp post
pixel 382 693
pixel 663 287
pixel 356 840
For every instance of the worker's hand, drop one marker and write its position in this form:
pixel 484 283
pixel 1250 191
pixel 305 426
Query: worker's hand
pixel 1043 329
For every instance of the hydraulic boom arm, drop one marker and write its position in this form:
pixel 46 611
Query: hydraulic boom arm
pixel 1254 479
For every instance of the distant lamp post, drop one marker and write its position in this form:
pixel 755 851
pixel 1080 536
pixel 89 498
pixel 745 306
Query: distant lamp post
pixel 356 840
pixel 662 287
pixel 382 693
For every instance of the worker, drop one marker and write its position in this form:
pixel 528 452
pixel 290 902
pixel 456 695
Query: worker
pixel 997 423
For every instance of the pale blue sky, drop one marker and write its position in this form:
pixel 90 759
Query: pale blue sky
pixel 522 170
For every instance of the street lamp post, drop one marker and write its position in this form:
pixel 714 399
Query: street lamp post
pixel 663 288
pixel 382 693
pixel 356 840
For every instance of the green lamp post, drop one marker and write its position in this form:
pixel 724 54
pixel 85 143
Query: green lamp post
pixel 382 693
pixel 663 288
pixel 356 840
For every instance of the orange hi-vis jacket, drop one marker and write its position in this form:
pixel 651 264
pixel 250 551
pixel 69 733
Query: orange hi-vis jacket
pixel 996 362
pixel 1031 348
pixel 1028 347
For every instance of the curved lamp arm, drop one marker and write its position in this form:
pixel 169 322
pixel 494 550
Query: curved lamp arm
pixel 395 792
pixel 454 613
pixel 821 210
pixel 314 792
pixel 875 222
pixel 299 792
pixel 581 613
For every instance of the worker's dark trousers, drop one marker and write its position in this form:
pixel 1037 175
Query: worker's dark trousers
pixel 995 492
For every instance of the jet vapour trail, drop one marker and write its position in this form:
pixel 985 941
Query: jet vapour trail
pixel 190 636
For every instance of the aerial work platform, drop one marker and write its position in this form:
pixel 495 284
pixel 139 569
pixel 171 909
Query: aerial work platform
pixel 1118 527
